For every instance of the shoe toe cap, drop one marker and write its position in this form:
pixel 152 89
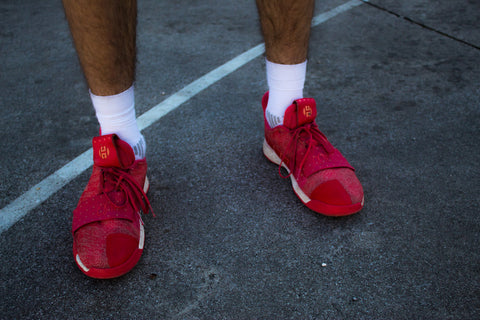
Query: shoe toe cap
pixel 341 189
pixel 120 248
pixel 105 244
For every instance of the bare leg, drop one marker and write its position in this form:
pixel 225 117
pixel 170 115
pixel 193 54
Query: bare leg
pixel 104 34
pixel 286 29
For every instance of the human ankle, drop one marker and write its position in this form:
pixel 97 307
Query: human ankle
pixel 285 84
pixel 116 114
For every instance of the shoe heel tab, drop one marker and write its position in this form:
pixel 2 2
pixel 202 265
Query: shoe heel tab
pixel 110 151
pixel 306 110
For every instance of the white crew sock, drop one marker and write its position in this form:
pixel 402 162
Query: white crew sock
pixel 285 84
pixel 116 114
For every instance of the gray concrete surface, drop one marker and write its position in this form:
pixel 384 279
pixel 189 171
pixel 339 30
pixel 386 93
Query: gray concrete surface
pixel 230 240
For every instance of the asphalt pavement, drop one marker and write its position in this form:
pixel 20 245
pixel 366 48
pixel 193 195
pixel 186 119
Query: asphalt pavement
pixel 397 85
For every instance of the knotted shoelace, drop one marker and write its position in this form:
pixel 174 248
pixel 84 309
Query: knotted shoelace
pixel 118 180
pixel 313 136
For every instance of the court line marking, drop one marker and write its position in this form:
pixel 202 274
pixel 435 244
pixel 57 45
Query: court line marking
pixel 40 192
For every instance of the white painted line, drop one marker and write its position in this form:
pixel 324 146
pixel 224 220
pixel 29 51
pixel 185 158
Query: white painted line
pixel 321 18
pixel 43 190
pixel 185 94
pixel 19 207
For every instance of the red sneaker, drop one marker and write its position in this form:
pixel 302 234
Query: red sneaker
pixel 108 234
pixel 321 177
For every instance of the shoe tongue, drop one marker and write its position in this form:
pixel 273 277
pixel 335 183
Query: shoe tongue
pixel 110 151
pixel 302 111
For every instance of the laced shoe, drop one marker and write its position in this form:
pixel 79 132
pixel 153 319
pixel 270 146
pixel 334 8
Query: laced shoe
pixel 108 232
pixel 321 177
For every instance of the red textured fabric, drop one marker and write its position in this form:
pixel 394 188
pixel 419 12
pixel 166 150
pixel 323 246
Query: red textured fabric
pixel 119 248
pixel 332 192
pixel 106 223
pixel 110 151
pixel 322 178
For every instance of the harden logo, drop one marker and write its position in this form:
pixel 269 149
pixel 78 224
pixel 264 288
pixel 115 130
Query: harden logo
pixel 307 111
pixel 104 152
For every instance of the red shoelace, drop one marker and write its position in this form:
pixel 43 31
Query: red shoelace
pixel 115 181
pixel 313 136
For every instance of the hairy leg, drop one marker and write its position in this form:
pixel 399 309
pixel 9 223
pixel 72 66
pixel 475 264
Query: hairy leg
pixel 104 33
pixel 286 29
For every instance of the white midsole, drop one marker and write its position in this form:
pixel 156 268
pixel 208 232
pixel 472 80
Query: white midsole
pixel 80 264
pixel 146 185
pixel 141 242
pixel 272 156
